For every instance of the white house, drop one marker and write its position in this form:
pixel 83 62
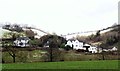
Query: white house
pixel 114 49
pixel 80 45
pixel 110 49
pixel 93 49
pixel 75 44
pixel 69 43
pixel 22 41
pixel 99 50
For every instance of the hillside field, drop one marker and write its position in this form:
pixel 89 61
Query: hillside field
pixel 101 64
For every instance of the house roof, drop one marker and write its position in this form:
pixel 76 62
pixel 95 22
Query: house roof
pixel 74 40
pixel 87 45
pixel 22 38
pixel 71 40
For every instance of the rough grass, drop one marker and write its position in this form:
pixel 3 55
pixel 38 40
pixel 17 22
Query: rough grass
pixel 24 56
pixel 102 64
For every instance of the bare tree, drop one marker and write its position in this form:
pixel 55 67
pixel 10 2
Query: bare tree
pixel 11 50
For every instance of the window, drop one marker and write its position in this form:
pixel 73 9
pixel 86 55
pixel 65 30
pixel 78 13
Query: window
pixel 20 43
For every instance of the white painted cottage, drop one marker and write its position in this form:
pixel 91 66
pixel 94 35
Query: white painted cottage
pixel 76 44
pixel 110 49
pixel 22 41
pixel 93 49
pixel 114 49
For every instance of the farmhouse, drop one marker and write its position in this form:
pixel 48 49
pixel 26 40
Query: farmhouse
pixel 22 41
pixel 110 49
pixel 114 49
pixel 92 49
pixel 76 44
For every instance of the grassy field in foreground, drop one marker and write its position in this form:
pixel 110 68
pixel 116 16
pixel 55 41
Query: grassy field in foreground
pixel 102 64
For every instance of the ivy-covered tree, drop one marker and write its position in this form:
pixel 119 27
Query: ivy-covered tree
pixel 44 39
pixel 30 34
pixel 54 42
pixel 14 27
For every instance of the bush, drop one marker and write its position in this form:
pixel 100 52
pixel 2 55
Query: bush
pixel 68 47
pixel 22 56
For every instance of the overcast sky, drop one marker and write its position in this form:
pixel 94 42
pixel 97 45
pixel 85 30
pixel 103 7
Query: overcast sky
pixel 61 16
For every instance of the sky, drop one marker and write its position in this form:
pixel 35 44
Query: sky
pixel 61 16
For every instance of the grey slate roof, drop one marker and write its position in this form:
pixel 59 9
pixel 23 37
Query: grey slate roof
pixel 23 38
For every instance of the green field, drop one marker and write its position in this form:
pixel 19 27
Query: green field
pixel 102 64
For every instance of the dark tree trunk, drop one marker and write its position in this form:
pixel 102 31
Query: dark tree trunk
pixel 14 58
pixel 3 60
pixel 103 56
pixel 51 55
pixel 52 51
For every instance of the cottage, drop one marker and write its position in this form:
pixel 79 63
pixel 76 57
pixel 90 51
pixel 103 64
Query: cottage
pixel 69 43
pixel 93 49
pixel 99 50
pixel 46 44
pixel 76 44
pixel 114 49
pixel 110 49
pixel 22 41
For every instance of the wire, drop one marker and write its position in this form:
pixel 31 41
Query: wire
pixel 91 31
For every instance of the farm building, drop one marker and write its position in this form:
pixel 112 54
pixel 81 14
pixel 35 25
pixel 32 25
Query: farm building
pixel 76 44
pixel 110 49
pixel 22 41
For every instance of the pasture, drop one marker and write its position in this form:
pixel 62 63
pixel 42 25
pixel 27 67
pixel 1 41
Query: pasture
pixel 100 64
